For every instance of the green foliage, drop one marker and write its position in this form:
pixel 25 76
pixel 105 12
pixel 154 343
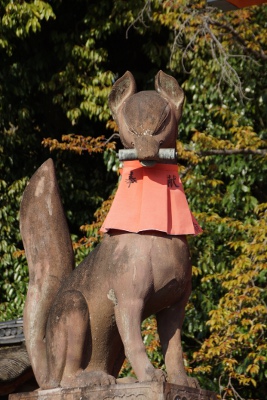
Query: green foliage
pixel 13 269
pixel 237 349
pixel 21 18
pixel 57 65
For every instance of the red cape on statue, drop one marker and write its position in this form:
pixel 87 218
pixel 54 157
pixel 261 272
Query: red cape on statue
pixel 151 198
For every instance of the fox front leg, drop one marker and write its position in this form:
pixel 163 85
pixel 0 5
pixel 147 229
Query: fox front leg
pixel 129 295
pixel 170 322
pixel 128 318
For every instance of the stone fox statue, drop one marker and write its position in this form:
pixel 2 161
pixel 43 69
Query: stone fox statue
pixel 80 323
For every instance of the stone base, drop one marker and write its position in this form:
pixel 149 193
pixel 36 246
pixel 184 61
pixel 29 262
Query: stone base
pixel 139 391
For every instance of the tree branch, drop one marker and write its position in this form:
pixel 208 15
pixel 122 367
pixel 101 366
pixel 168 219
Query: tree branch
pixel 231 152
pixel 257 54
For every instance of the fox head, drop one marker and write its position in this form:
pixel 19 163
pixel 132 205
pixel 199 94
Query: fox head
pixel 147 120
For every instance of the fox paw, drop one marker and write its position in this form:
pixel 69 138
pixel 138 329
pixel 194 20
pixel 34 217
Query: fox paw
pixel 184 380
pixel 159 376
pixel 89 378
pixel 193 382
pixel 154 375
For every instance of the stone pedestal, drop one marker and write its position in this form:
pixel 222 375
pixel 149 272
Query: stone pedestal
pixel 139 391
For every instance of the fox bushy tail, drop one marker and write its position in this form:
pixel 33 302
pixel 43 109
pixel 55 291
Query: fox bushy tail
pixel 50 258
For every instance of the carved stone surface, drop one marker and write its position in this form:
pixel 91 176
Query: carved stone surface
pixel 139 391
pixel 11 332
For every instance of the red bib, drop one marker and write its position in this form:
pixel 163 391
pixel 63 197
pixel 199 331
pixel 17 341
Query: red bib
pixel 151 198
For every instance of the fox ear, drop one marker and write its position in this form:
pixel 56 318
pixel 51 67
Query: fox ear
pixel 169 88
pixel 122 89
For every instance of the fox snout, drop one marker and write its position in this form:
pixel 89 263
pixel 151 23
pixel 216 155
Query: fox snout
pixel 147 147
